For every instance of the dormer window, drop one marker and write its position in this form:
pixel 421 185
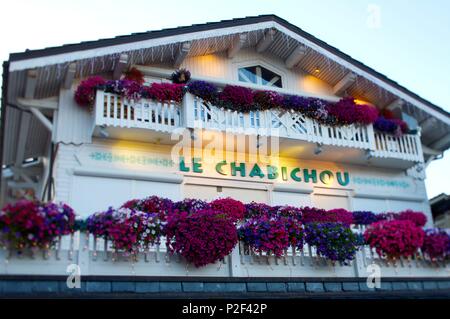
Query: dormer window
pixel 259 75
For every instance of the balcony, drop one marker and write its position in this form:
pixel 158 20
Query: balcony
pixel 113 114
pixel 96 257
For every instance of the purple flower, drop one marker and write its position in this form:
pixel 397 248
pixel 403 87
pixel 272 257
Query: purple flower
pixel 364 218
pixel 204 90
pixel 334 241
pixel 236 98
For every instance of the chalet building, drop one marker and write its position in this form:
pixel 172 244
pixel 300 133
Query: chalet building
pixel 440 209
pixel 119 148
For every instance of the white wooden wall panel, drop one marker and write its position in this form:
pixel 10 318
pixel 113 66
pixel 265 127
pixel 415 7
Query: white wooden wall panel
pixel 92 194
pixel 143 189
pixel 203 192
pixel 330 201
pixel 375 205
pixel 400 205
pixel 290 198
pixel 74 124
pixel 208 193
pixel 219 66
pixel 245 195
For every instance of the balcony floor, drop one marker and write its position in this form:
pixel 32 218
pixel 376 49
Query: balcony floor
pixel 288 148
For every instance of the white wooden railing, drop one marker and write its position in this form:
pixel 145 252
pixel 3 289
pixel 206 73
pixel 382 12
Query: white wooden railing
pixel 96 257
pixel 406 147
pixel 112 110
pixel 284 124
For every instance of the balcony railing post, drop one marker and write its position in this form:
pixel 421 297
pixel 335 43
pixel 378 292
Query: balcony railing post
pixel 99 105
pixel 84 253
pixel 418 142
pixel 359 264
pixel 371 137
pixel 188 110
pixel 235 262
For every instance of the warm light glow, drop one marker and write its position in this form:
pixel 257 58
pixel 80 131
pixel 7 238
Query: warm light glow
pixel 312 84
pixel 358 101
pixel 210 65
pixel 317 69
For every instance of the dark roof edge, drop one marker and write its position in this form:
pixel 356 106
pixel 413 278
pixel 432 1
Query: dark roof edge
pixel 135 37
pixel 214 25
pixel 438 197
pixel 3 110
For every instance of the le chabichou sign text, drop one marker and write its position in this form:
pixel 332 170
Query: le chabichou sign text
pixel 243 169
pixel 271 172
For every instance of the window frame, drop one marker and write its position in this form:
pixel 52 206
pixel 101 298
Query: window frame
pixel 270 67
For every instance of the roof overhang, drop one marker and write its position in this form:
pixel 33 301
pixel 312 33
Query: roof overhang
pixel 92 57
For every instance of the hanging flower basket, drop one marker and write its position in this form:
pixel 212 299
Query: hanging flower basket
pixel 33 224
pixel 395 238
pixel 203 237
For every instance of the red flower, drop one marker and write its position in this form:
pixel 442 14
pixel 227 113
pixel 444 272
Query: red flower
pixel 418 218
pixel 237 98
pixel 202 237
pixel 395 238
pixel 85 93
pixel 231 207
pixel 135 75
pixel 164 92
pixel 28 223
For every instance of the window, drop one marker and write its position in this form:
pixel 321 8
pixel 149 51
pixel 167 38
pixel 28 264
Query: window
pixel 259 75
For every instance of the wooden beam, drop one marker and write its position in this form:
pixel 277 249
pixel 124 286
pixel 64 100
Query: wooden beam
pixel 430 151
pixel 398 103
pixel 265 42
pixel 184 50
pixel 25 119
pixel 48 103
pixel 396 107
pixel 236 45
pixel 41 117
pixel 70 76
pixel 30 85
pixel 441 142
pixel 344 83
pixel 428 123
pixel 120 66
pixel 294 58
pixel 12 184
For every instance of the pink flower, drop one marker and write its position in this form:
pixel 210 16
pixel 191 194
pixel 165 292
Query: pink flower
pixel 85 93
pixel 418 218
pixel 395 238
pixel 201 237
pixel 231 207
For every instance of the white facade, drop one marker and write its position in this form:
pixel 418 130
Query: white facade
pixel 122 150
pixel 89 185
pixel 93 176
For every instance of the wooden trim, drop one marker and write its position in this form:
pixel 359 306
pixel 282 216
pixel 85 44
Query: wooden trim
pixel 126 174
pixel 230 183
pixel 283 188
pixel 388 196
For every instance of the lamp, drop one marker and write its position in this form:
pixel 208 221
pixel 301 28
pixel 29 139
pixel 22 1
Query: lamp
pixel 258 142
pixel 193 136
pixel 103 132
pixel 318 149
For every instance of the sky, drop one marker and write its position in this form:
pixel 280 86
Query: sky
pixel 407 40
